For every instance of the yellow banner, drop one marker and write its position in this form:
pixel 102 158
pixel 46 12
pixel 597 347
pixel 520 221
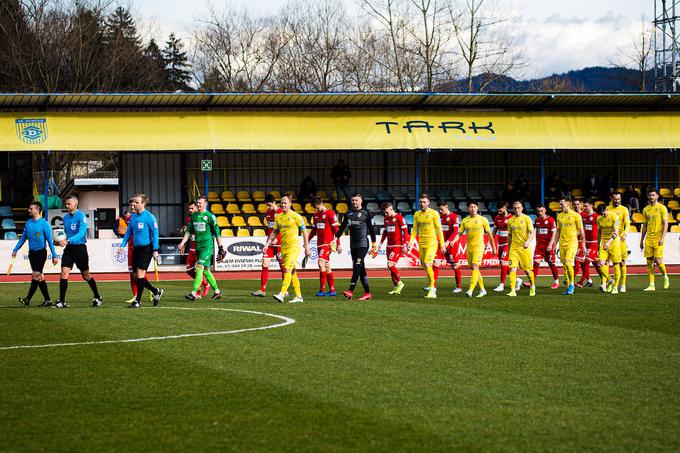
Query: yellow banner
pixel 352 130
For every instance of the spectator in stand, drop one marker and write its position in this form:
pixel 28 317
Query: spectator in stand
pixel 564 189
pixel 591 186
pixel 522 188
pixel 552 189
pixel 631 199
pixel 509 193
pixel 340 175
pixel 307 190
pixel 121 225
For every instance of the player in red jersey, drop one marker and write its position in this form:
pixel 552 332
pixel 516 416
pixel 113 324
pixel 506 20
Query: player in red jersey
pixel 546 232
pixel 450 224
pixel 325 225
pixel 584 262
pixel 396 233
pixel 500 228
pixel 192 258
pixel 274 250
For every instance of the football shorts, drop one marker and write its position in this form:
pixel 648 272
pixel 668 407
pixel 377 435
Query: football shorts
pixel 542 254
pixel 75 254
pixel 324 252
pixel 474 256
pixel 394 253
pixel 503 254
pixel 520 258
pixel 37 259
pixel 612 254
pixel 427 253
pixel 289 258
pixel 273 251
pixel 653 249
pixel 568 254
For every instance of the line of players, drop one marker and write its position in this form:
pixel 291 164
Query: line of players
pixel 584 237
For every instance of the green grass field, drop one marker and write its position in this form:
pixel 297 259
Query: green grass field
pixel 588 372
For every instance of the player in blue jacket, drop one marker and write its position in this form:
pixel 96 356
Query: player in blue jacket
pixel 37 231
pixel 75 252
pixel 144 230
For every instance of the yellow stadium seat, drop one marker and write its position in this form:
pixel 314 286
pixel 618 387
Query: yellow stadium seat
pixel 227 233
pixel 341 208
pixel 309 209
pixel 322 194
pixel 334 196
pixel 328 206
pixel 243 232
pixel 306 221
pixel 254 221
pixel 638 218
pixel 673 205
pixel 554 206
pixel 248 208
pixel 676 192
pixel 259 232
pixel 243 195
pixel 216 208
pixel 675 229
pixel 577 193
pixel 297 208
pixel 228 195
pixel 262 208
pixel 238 221
pixel 258 195
pixel 677 217
pixel 222 221
pixel 212 196
pixel 632 229
pixel 598 203
pixel 276 194
pixel 232 208
pixel 665 193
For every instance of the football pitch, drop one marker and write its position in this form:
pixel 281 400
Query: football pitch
pixel 398 373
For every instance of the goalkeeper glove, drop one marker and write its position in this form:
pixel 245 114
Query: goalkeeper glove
pixel 374 250
pixel 221 254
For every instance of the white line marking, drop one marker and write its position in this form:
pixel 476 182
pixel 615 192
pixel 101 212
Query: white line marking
pixel 286 321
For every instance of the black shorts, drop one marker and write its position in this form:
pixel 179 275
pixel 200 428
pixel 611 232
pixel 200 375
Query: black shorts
pixel 141 257
pixel 358 255
pixel 37 259
pixel 76 254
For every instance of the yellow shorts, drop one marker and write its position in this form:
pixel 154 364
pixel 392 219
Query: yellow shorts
pixel 613 254
pixel 289 258
pixel 427 253
pixel 568 254
pixel 474 256
pixel 624 251
pixel 653 249
pixel 521 258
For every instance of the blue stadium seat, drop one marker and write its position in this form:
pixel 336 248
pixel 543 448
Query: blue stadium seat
pixel 11 236
pixel 493 206
pixel 462 206
pixel 8 224
pixel 527 207
pixel 372 207
pixel 458 194
pixel 532 217
pixel 489 218
pixel 404 207
pixel 6 211
pixel 409 219
pixel 379 220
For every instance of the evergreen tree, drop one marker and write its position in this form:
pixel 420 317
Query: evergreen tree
pixel 176 64
pixel 16 45
pixel 124 51
pixel 213 82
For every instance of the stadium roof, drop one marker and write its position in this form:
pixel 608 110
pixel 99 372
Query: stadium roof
pixel 339 101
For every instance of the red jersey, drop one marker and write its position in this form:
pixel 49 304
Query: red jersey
pixel 501 224
pixel 325 225
pixel 450 225
pixel 269 218
pixel 395 231
pixel 544 231
pixel 590 226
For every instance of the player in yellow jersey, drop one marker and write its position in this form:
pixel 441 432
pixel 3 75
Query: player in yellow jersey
pixel 624 225
pixel 475 226
pixel 427 228
pixel 569 234
pixel 521 233
pixel 610 248
pixel 289 223
pixel 653 237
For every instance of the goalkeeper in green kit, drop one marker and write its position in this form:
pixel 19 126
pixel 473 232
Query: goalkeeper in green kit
pixel 203 225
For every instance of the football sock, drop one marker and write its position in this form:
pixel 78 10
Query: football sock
pixel 624 273
pixel 553 269
pixel 617 275
pixel 323 277
pixel 44 290
pixel 650 270
pixel 604 272
pixel 513 278
pixel 569 273
pixel 532 278
pixel 480 280
pixel 93 287
pixel 63 286
pixel 296 285
pixel 435 272
pixel 430 277
pixel 287 277
pixel 331 280
pixel 662 266
pixel 473 279
pixel 140 289
pixel 537 266
pixel 210 278
pixel 191 272
pixel 394 274
pixel 586 270
pixel 364 278
pixel 198 278
pixel 457 271
pixel 264 276
pixel 32 289
pixel 133 284
pixel 577 268
pixel 504 273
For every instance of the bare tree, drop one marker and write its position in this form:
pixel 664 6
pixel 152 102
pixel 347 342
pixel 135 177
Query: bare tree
pixel 638 54
pixel 486 45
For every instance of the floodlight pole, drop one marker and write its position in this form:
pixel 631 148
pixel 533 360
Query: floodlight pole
pixel 46 185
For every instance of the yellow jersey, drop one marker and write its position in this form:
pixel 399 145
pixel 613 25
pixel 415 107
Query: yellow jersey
pixel 289 224
pixel 519 230
pixel 569 224
pixel 654 216
pixel 624 218
pixel 475 228
pixel 427 226
pixel 608 225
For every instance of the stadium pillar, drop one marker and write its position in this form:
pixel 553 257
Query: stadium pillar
pixel 417 174
pixel 46 184
pixel 542 159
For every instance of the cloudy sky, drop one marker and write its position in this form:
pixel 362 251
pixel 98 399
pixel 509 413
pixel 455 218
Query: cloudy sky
pixel 559 35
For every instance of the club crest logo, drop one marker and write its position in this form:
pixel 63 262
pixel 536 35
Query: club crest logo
pixel 32 131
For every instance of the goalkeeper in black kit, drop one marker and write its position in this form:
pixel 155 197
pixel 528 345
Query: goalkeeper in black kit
pixel 360 223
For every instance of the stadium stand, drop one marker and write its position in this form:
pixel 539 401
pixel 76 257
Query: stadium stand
pixel 228 196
